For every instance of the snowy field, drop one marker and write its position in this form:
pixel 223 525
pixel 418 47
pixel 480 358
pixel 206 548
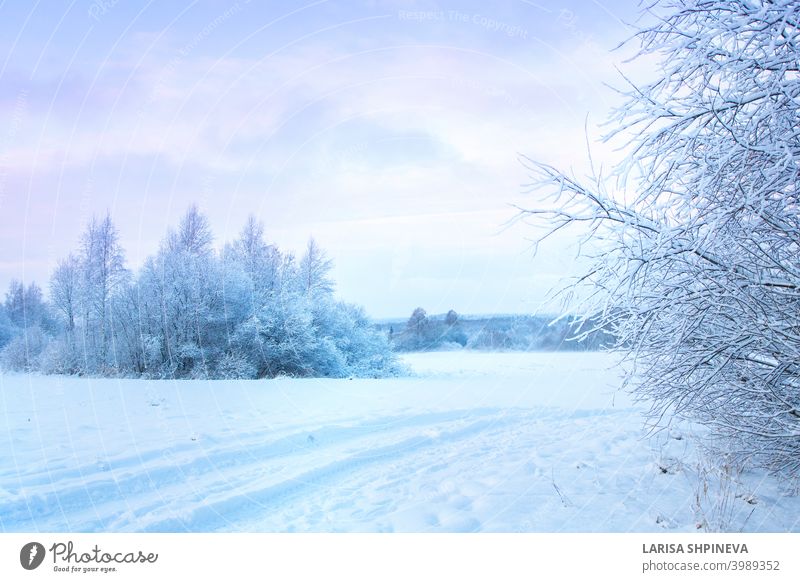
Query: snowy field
pixel 472 442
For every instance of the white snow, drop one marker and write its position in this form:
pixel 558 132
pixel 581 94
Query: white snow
pixel 472 442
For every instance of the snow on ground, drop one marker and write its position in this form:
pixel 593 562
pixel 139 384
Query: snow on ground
pixel 471 442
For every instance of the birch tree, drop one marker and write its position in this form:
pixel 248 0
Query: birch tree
pixel 64 290
pixel 103 269
pixel 314 271
pixel 259 260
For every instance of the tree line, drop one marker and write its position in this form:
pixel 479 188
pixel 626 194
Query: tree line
pixel 424 332
pixel 247 311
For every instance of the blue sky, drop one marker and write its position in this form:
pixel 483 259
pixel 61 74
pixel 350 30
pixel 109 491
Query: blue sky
pixel 388 130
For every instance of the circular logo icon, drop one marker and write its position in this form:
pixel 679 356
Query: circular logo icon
pixel 31 555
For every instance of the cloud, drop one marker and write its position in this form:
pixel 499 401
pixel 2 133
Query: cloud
pixel 365 129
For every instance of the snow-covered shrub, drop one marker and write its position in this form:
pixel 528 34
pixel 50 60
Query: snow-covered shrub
pixel 7 329
pixel 365 352
pixel 190 361
pixel 22 353
pixel 151 352
pixel 235 367
pixel 699 272
pixel 58 357
pixel 280 339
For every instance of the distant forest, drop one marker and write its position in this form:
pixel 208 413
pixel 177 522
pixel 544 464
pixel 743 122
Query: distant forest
pixel 423 332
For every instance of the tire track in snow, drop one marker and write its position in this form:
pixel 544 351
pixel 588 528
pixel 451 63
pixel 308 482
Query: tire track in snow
pixel 83 493
pixel 235 505
pixel 453 486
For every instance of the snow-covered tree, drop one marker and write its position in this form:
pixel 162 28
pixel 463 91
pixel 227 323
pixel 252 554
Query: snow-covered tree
pixel 699 229
pixel 129 352
pixel 259 260
pixel 25 306
pixel 419 332
pixel 22 353
pixel 251 312
pixel 15 303
pixel 314 271
pixel 452 332
pixel 65 297
pixel 103 272
pixel 64 291
pixel 153 310
pixel 193 235
pixel 6 327
pixel 24 322
pixel 188 293
pixel 363 351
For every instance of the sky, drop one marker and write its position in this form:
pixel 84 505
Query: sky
pixel 389 130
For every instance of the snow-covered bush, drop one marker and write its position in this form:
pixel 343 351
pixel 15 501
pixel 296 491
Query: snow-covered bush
pixel 22 353
pixel 7 330
pixel 700 269
pixel 297 337
pixel 279 339
pixel 57 358
pixel 235 367
pixel 364 351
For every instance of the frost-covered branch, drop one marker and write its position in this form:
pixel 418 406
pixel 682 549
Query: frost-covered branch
pixel 700 225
